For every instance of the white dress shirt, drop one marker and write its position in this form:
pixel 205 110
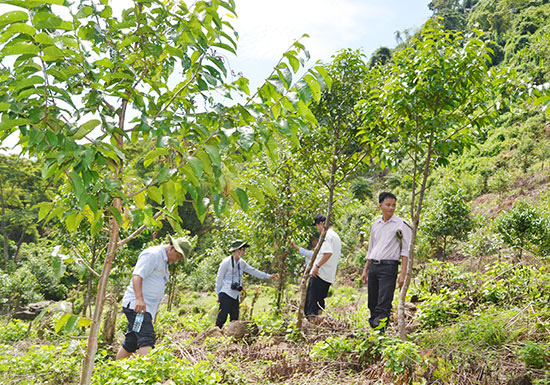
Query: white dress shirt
pixel 384 243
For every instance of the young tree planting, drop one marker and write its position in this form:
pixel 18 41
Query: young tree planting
pixel 431 101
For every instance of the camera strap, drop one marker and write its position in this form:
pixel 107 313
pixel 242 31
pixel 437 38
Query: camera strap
pixel 233 270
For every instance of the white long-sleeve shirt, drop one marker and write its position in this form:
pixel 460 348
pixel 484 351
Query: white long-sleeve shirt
pixel 228 273
pixel 306 253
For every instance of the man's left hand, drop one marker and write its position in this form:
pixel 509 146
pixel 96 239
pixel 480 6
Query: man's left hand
pixel 401 281
pixel 315 271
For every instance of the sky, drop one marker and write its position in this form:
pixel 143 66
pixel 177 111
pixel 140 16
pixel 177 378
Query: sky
pixel 268 28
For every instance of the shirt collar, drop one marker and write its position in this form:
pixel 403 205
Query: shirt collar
pixel 164 255
pixel 392 219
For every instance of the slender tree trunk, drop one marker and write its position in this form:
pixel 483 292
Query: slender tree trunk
pixel 416 221
pixel 20 242
pixel 3 226
pixel 109 324
pixel 89 285
pixel 305 275
pixel 88 365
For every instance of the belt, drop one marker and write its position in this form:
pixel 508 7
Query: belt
pixel 384 262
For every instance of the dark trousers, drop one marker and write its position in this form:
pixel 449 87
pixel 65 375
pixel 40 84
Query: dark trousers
pixel 228 306
pixel 381 286
pixel 317 291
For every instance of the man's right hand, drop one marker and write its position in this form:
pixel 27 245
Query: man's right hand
pixel 364 276
pixel 140 306
pixel 294 245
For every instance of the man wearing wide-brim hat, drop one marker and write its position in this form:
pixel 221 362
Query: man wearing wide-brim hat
pixel 145 291
pixel 229 281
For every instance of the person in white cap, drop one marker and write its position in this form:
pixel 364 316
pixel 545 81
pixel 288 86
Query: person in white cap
pixel 145 291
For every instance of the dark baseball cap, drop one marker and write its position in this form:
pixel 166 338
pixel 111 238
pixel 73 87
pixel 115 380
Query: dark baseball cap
pixel 319 219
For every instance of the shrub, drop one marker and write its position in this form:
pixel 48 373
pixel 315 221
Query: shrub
pixel 361 349
pixel 525 227
pixel 18 289
pixel 535 355
pixel 401 356
pixel 481 242
pixel 48 364
pixel 442 307
pixel 13 331
pixel 448 218
pixel 160 366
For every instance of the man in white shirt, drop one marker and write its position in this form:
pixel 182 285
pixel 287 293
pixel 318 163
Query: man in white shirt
pixel 389 242
pixel 145 291
pixel 323 272
pixel 229 281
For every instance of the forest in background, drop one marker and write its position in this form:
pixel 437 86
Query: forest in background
pixel 476 311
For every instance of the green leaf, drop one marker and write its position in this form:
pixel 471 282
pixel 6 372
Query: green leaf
pixel 116 214
pixel 304 90
pixel 84 322
pixel 243 198
pixel 18 28
pixel 196 165
pixel 20 48
pixel 306 113
pixel 314 86
pixel 269 187
pixel 62 321
pixel 44 38
pixel 214 155
pixel 73 221
pixel 219 204
pixel 13 17
pixel 206 162
pixel 86 128
pixel 246 137
pixel 71 323
pixel 45 208
pixel 169 194
pixel 153 155
pixel 256 193
pixel 78 185
pixel 52 53
pixel 57 267
pixel 155 194
pixel 36 3
pixel 139 199
pixel 105 62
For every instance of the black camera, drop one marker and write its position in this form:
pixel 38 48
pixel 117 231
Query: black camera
pixel 236 286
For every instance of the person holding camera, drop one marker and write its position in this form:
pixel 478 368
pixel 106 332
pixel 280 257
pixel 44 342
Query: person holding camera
pixel 229 281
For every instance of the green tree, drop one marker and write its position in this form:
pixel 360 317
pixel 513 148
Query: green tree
pixel 331 150
pixel 449 216
pixel 430 102
pixel 21 188
pixel 80 85
pixel 381 56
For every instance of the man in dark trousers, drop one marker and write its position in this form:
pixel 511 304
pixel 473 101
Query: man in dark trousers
pixel 229 281
pixel 389 242
pixel 324 269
